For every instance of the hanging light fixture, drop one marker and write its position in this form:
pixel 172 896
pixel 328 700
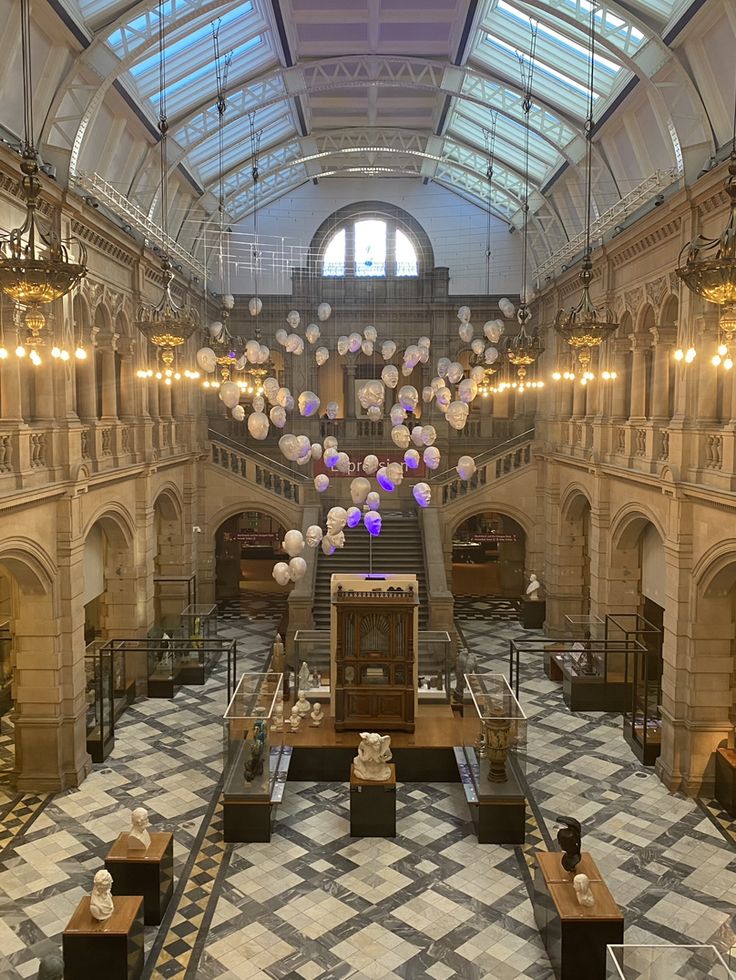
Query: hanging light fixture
pixel 586 326
pixel 524 347
pixel 36 267
pixel 709 271
pixel 166 325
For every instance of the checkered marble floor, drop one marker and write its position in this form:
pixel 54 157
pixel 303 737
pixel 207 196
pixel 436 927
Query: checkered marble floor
pixel 315 903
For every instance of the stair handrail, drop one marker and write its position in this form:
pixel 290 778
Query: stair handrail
pixel 450 474
pixel 214 436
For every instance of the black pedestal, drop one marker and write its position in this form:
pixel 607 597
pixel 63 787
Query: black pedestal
pixel 149 873
pixel 112 949
pixel 726 779
pixel 532 613
pixel 247 822
pixel 162 687
pixel 373 806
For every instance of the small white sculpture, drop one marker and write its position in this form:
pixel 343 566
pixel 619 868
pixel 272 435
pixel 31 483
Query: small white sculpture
pixel 372 521
pixel 101 904
pixel 388 349
pixel 138 836
pixel 312 333
pixel 465 467
pixel 422 494
pixel 354 516
pixel 360 487
pixel 321 356
pixel 354 343
pixel 585 897
pixel 401 436
pixel 323 311
pixel 302 706
pixel 255 305
pixel 295 720
pixel 373 501
pixel 374 752
pixel 308 403
pixel 336 520
pixel 457 414
pixel 342 465
pixel 278 658
pixel 370 465
pixel 304 675
pixel 281 573
pixel 532 590
pixel 317 715
pixel 321 482
pixel 297 569
pixel 277 722
pixel 293 319
pixel 314 535
pixel 278 416
pixel 411 459
pixel 293 543
pixel 238 413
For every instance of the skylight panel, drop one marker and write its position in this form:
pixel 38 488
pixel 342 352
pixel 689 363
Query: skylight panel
pixel 572 85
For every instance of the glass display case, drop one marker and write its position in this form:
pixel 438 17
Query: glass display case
pixel 312 647
pixel 171 594
pixel 666 962
pixel 162 663
pixel 494 759
pixel 594 673
pixel 643 674
pixel 435 659
pixel 6 668
pixel 100 701
pixel 199 620
pixel 585 627
pixel 123 680
pixel 255 759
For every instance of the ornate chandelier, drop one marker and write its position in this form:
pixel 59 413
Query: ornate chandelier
pixel 710 271
pixel 586 326
pixel 36 267
pixel 167 326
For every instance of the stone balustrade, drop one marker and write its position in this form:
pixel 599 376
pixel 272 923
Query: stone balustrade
pixel 260 470
pixel 491 466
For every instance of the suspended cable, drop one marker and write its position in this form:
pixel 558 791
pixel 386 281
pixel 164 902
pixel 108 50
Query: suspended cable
pixel 489 136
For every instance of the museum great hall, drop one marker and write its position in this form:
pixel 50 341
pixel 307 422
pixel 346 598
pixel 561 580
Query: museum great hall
pixel 368 489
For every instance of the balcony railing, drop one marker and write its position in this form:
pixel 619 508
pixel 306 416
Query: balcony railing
pixel 490 466
pixel 251 465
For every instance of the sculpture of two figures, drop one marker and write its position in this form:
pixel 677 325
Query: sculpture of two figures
pixel 374 752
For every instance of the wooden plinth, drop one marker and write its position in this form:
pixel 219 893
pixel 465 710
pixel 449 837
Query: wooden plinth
pixel 112 949
pixel 247 821
pixel 162 687
pixel 532 613
pixel 373 806
pixel 149 873
pixel 725 791
pixel 590 692
pixel 575 936
pixel 192 673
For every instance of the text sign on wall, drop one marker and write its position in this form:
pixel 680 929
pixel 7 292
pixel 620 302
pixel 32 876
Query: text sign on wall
pixel 356 465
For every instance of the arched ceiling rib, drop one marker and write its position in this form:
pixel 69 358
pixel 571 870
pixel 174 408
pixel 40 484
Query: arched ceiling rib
pixel 399 92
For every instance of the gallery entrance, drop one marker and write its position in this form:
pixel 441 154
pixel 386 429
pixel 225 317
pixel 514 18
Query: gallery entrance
pixel 488 552
pixel 246 547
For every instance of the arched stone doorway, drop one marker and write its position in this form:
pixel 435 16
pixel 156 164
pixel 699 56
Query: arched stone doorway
pixel 488 556
pixel 173 561
pixel 247 545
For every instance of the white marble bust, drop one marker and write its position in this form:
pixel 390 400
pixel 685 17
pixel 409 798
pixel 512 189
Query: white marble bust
pixel 317 715
pixel 101 905
pixel 302 705
pixel 532 590
pixel 295 720
pixel 374 752
pixel 138 836
pixel 581 884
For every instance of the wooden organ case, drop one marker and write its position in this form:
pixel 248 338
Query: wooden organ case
pixel 374 655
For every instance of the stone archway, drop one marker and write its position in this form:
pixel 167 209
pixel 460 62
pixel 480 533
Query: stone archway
pixel 488 552
pixel 567 568
pixel 247 544
pixel 173 559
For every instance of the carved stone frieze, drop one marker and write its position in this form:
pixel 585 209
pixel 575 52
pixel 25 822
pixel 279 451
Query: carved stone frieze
pixel 646 243
pixel 633 298
pixel 656 291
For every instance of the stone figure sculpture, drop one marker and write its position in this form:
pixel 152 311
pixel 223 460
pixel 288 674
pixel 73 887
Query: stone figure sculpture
pixel 302 705
pixel 466 663
pixel 295 720
pixel 138 836
pixel 374 752
pixel 581 884
pixel 304 675
pixel 101 904
pixel 569 837
pixel 277 655
pixel 277 722
pixel 532 590
pixel 317 715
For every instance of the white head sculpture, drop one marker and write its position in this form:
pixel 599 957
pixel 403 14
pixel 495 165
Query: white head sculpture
pixel 255 305
pixel 314 535
pixel 289 446
pixel 238 413
pixel 370 464
pixel 373 500
pixel 297 568
pixel 367 348
pixel 374 412
pixel 229 394
pixel 400 436
pixel 443 397
pixel 330 457
pixel 583 893
pixel 443 366
pixel 457 415
pixel 408 397
pixel 465 467
pixel 332 409
pixel 372 521
pixel 323 311
pixel 491 355
pixel 465 331
pixel 312 333
pixel 278 416
pixel 370 333
pixel 206 359
pixel 321 356
pixel 455 372
pixel 293 543
pixel 463 314
pixel 343 463
pixel 467 390
pixel 371 393
pixel 411 459
pixel 416 435
pixel 281 336
pixel 293 319
pixel 281 573
pixel 316 450
pixel 321 482
pixel 252 351
pixel 294 344
pixel 388 349
pixel 506 307
pixel 336 519
pixel 282 397
pixel 384 481
pixel 328 545
pixel 390 375
pixel 271 389
pixel 429 435
pixel 258 425
pixel 427 394
pixel 422 494
pixel 431 457
pixel 101 905
pixel 493 330
pixel 354 516
pixel 308 403
pixel 397 414
pixel 342 345
pixel 330 442
pixel 478 346
pixel 354 343
pixel 395 473
pixel 360 488
pixel 138 836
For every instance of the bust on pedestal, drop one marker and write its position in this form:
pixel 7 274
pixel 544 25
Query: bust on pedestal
pixel 533 606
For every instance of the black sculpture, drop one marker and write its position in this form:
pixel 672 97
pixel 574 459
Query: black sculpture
pixel 569 837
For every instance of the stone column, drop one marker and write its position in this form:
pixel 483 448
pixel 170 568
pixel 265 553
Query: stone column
pixel 706 411
pixel 128 382
pixel 164 400
pixel 619 408
pixel 349 389
pixel 87 388
pixel 44 384
pixel 664 341
pixel 637 406
pixel 109 385
pixel 578 399
pixel 10 395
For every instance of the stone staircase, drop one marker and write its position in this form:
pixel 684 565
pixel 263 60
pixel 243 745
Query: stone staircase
pixel 398 548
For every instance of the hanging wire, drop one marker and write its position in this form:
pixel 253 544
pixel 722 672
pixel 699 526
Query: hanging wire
pixel 163 125
pixel 25 31
pixel 589 134
pixel 489 136
pixel 526 71
pixel 222 68
pixel 255 145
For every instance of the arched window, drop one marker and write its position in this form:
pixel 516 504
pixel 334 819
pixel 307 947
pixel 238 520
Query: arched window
pixel 370 247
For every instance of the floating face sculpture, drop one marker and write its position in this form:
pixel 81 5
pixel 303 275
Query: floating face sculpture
pixel 465 467
pixel 478 346
pixel 372 521
pixel 294 344
pixel 328 545
pixel 422 494
pixel 308 404
pixel 332 408
pixel 342 345
pixel 216 330
pixel 293 318
pixel 297 568
pixel 442 398
pixel 506 307
pixel 411 459
pixel 416 435
pixel 316 450
pixel 493 329
pixel 330 457
pixel 282 397
pixel 281 573
pixel 424 342
pixel 371 393
pixel 321 482
pixel 289 446
pixel 360 488
pixel 400 436
pixel 465 330
pixel 408 397
pixel 457 415
pixel 463 314
pixel 383 480
pixel 336 519
pixel 259 403
pixel 427 394
pixel 374 412
pixel 370 464
pixel 412 355
pixel 491 355
pixel 443 365
pixel 455 372
pixel 438 383
pixel 323 311
pixel 255 305
pixel 321 356
pixel 395 473
pixel 370 333
pixel 238 413
pixel 431 457
pixel 467 390
pixel 314 535
pixel 354 343
pixel 397 415
pixel 343 463
pixel 206 359
pixel 477 374
pixel 303 448
pixel 388 349
pixel 329 442
pixel 252 351
pixel 354 516
pixel 271 388
pixel 390 375
pixel 429 435
pixel 312 333
pixel 367 348
pixel 229 394
pixel 281 336
pixel 258 425
pixel 278 416
pixel 373 500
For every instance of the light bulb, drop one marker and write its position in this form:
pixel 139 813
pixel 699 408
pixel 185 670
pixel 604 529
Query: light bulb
pixel 606 375
pixel 20 351
pixel 177 376
pixel 64 355
pixel 556 376
pixel 728 363
pixel 679 354
pixel 715 360
pixel 149 373
pixel 80 353
pixel 168 372
pixel 3 354
pixel 583 381
pixel 195 374
pixel 35 358
pixel 540 384
pixel 140 374
pixel 205 384
pixel 722 350
pixel 167 381
pixel 55 352
pixel 158 376
pixel 690 355
pixel 613 375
